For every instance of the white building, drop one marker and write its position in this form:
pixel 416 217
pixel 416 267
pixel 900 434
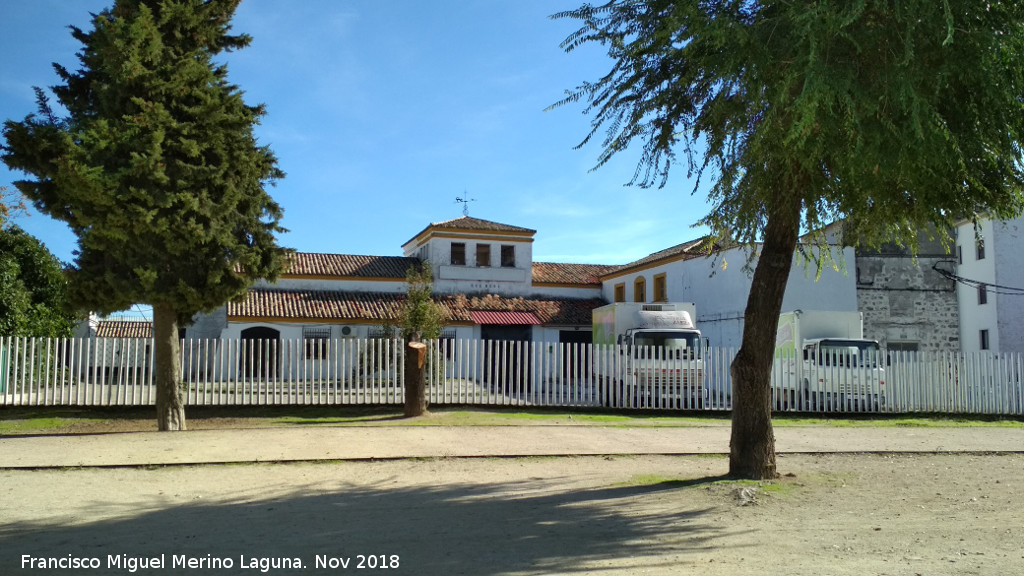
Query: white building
pixel 484 275
pixel 719 283
pixel 990 285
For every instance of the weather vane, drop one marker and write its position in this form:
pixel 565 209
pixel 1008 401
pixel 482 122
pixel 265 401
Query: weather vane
pixel 465 204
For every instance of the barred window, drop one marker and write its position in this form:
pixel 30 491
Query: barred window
pixel 316 342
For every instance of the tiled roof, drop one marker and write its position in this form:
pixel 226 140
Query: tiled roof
pixel 313 264
pixel 336 306
pixel 342 265
pixel 558 273
pixel 316 304
pixel 124 329
pixel 504 318
pixel 686 250
pixel 470 224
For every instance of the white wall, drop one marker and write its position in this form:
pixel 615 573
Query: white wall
pixel 561 292
pixel 975 317
pixel 1009 271
pixel 473 279
pixel 718 285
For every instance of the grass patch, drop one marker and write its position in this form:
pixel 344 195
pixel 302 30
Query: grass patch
pixel 12 426
pixel 900 421
pixel 21 420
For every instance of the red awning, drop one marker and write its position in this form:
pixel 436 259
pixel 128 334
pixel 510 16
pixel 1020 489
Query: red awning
pixel 504 318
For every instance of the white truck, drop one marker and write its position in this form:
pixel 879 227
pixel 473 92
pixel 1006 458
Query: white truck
pixel 648 355
pixel 822 360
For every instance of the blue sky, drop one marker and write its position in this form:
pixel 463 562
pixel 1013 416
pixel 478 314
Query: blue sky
pixel 382 112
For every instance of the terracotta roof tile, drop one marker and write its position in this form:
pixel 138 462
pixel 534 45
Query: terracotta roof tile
pixel 688 250
pixel 314 264
pixel 558 273
pixel 124 329
pixel 469 223
pixel 337 306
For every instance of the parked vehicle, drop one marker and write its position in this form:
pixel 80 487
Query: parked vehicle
pixel 659 351
pixel 823 360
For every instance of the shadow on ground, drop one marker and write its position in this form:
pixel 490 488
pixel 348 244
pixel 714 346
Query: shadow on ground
pixel 536 526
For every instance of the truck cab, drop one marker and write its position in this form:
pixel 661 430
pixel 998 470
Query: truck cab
pixel 823 361
pixel 659 354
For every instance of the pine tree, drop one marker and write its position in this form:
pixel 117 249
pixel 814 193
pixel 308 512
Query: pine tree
pixel 156 169
pixel 891 116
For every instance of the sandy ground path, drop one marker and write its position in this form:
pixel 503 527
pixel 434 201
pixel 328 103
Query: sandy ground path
pixel 310 443
pixel 850 514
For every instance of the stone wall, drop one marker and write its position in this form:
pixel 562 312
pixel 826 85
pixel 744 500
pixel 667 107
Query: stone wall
pixel 905 301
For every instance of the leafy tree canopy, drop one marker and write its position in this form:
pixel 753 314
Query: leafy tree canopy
pixel 33 290
pixel 420 318
pixel 890 115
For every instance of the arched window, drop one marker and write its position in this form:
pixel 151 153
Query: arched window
pixel 639 289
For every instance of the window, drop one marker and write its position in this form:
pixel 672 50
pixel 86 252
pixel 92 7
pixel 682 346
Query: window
pixel 660 292
pixel 483 254
pixel 447 343
pixel 984 339
pixel 982 294
pixel 458 254
pixel 980 246
pixel 959 254
pixel 620 292
pixel 316 341
pixel 902 346
pixel 639 290
pixel 508 256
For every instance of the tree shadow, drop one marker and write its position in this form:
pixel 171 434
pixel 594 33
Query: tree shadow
pixel 537 526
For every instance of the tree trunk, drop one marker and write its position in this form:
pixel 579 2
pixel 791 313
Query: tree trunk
pixel 170 406
pixel 752 447
pixel 415 379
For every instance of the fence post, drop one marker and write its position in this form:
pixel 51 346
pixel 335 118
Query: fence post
pixel 415 382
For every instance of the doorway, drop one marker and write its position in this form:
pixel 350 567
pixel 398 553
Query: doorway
pixel 261 353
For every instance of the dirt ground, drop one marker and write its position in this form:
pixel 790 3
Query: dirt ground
pixel 842 514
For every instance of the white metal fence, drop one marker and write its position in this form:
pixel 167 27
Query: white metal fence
pixel 119 372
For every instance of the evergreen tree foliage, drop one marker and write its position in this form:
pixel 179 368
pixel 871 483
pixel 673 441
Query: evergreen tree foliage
pixel 156 168
pixel 33 290
pixel 888 115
